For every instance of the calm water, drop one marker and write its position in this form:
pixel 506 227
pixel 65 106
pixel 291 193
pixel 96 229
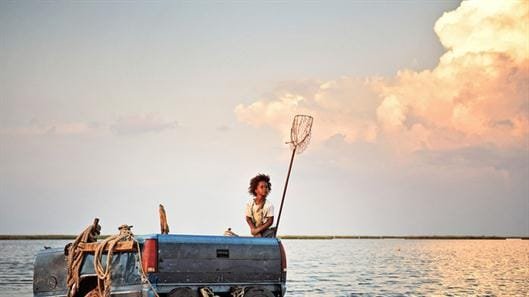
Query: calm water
pixel 357 267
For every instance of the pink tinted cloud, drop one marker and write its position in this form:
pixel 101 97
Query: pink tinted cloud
pixel 142 123
pixel 131 124
pixel 477 94
pixel 54 128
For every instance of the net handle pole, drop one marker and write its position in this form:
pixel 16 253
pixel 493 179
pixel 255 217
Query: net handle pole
pixel 285 189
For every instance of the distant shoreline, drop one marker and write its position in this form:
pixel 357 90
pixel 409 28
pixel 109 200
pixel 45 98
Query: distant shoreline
pixel 444 237
pixel 303 237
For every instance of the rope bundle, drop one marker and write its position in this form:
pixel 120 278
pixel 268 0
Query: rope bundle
pixel 76 253
pixel 104 274
pixel 76 256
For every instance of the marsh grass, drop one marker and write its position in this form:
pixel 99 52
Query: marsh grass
pixel 306 237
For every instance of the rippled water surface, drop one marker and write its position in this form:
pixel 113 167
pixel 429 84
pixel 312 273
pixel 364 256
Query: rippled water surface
pixel 408 267
pixel 342 267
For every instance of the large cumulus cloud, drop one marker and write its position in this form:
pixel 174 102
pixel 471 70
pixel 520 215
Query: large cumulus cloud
pixel 477 94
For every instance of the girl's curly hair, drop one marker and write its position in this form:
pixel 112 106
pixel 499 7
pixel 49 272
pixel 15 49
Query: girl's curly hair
pixel 255 181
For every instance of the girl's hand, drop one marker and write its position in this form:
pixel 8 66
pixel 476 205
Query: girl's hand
pixel 255 231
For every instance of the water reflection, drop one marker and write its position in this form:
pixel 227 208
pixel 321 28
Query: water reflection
pixel 342 267
pixel 407 267
pixel 16 265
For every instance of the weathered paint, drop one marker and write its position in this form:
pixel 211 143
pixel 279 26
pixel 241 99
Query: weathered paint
pixel 193 261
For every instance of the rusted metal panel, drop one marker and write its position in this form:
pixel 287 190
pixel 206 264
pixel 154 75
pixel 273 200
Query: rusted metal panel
pixel 49 273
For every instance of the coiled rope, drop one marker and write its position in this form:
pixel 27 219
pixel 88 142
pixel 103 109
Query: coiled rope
pixel 76 255
pixel 104 273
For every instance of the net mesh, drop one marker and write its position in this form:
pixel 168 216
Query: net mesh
pixel 300 132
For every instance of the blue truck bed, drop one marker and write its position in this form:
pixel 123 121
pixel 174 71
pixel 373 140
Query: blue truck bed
pixel 177 264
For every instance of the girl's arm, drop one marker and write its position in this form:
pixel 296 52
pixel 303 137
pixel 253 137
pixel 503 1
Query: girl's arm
pixel 252 226
pixel 264 226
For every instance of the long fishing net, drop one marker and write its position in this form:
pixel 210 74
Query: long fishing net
pixel 299 140
pixel 300 132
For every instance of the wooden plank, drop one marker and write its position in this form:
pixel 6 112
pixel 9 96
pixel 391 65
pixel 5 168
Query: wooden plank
pixel 122 246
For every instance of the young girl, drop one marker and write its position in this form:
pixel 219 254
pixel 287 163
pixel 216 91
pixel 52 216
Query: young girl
pixel 259 210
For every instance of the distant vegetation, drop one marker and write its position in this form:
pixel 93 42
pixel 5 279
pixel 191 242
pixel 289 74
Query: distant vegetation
pixel 35 237
pixel 43 237
pixel 71 237
pixel 398 237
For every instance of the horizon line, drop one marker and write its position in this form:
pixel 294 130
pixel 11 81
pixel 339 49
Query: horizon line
pixel 327 237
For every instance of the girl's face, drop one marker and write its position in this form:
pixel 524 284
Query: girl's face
pixel 262 189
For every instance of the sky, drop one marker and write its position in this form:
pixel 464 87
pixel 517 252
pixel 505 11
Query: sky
pixel 421 115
